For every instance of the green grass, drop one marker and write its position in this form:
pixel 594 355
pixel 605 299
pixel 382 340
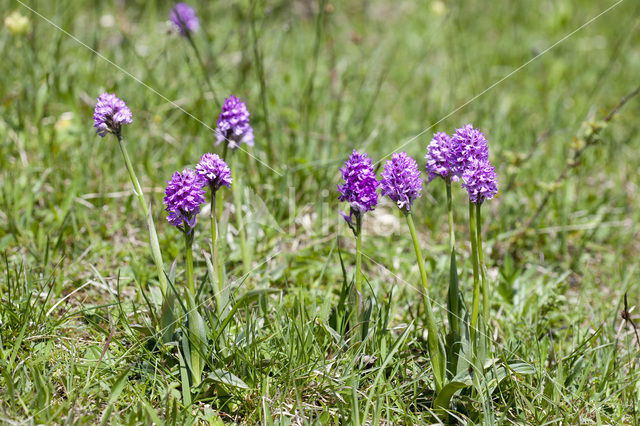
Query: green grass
pixel 75 343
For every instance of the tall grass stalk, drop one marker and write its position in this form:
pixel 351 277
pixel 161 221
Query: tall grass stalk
pixel 437 354
pixel 454 308
pixel 483 271
pixel 217 259
pixel 237 202
pixel 153 236
pixel 474 262
pixel 203 67
pixel 257 57
pixel 308 98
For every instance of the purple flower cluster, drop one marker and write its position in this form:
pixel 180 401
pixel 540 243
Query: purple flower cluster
pixel 465 155
pixel 183 197
pixel 401 180
pixel 214 172
pixel 110 114
pixel 480 181
pixel 185 19
pixel 467 144
pixel 360 184
pixel 437 156
pixel 185 191
pixel 233 124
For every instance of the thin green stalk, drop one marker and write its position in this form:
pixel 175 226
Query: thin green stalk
pixel 225 149
pixel 153 236
pixel 263 85
pixel 219 196
pixel 474 262
pixel 237 201
pixel 454 298
pixel 483 272
pixel 188 246
pixel 197 333
pixel 454 311
pixel 217 260
pixel 436 353
pixel 307 104
pixel 359 302
pixel 204 70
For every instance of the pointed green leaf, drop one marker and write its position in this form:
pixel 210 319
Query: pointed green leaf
pixel 443 399
pixel 226 378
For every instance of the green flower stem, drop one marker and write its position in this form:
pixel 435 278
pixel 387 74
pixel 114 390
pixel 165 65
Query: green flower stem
pixel 197 333
pixel 436 353
pixel 483 272
pixel 153 236
pixel 204 70
pixel 454 311
pixel 358 299
pixel 191 287
pixel 474 262
pixel 217 260
pixel 219 197
pixel 237 201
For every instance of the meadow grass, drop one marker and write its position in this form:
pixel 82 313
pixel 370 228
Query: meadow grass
pixel 78 287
